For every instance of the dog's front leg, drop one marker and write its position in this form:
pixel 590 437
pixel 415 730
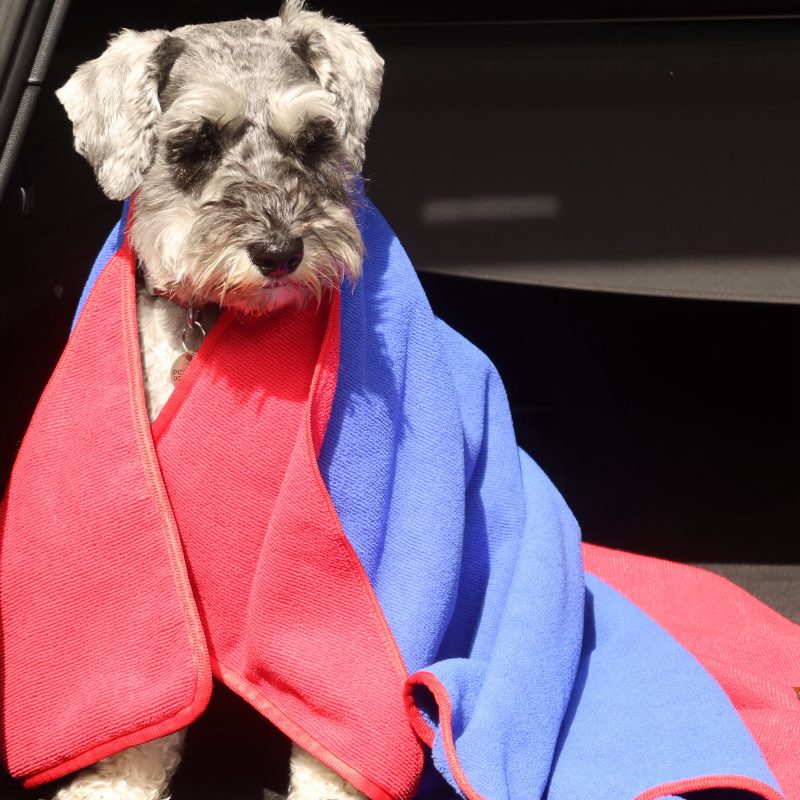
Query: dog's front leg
pixel 310 780
pixel 138 773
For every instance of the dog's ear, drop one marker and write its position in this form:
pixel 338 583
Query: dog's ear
pixel 113 103
pixel 344 63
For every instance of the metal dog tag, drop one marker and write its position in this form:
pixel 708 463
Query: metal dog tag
pixel 192 328
pixel 179 366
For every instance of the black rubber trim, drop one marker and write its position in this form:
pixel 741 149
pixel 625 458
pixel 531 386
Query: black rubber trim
pixel 27 104
pixel 48 41
pixel 12 12
pixel 36 42
pixel 21 62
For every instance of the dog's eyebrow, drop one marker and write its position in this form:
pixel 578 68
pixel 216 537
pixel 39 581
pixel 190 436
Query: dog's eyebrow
pixel 212 101
pixel 291 111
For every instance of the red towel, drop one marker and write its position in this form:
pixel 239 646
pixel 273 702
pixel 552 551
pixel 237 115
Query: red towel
pixel 112 628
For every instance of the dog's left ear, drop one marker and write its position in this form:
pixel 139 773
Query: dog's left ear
pixel 344 63
pixel 113 104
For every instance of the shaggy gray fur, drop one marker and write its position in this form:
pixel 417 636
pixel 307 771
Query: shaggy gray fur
pixel 237 135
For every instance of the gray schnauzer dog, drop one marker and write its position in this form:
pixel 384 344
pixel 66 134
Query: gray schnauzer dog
pixel 243 141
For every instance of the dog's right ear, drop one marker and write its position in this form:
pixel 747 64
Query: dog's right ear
pixel 344 63
pixel 113 103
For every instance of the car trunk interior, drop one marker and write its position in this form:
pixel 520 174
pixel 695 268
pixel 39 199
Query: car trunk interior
pixel 607 208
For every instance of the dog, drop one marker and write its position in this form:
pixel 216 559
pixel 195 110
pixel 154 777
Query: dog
pixel 243 143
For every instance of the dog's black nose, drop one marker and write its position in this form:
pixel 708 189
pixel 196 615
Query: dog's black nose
pixel 276 258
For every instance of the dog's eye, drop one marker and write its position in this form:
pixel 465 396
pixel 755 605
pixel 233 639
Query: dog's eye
pixel 193 154
pixel 231 133
pixel 317 140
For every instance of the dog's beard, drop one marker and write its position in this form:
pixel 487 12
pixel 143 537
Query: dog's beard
pixel 192 262
pixel 254 298
pixel 231 281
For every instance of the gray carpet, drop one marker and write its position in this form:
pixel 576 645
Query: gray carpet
pixel 777 585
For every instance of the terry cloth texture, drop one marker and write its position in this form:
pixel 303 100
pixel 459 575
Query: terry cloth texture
pixel 332 517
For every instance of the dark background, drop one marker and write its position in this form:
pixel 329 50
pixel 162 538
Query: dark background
pixel 666 135
pixel 670 425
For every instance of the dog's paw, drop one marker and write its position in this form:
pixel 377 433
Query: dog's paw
pixel 310 780
pixel 137 773
pixel 104 790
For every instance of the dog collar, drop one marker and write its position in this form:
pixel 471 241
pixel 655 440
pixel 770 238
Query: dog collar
pixel 155 291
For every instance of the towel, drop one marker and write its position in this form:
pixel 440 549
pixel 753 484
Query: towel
pixel 332 517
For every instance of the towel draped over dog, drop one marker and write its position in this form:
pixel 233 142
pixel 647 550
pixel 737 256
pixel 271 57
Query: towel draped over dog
pixel 331 516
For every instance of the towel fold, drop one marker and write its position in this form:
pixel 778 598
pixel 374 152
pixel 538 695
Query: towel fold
pixel 331 515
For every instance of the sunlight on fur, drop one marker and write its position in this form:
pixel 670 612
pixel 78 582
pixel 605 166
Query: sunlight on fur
pixel 243 142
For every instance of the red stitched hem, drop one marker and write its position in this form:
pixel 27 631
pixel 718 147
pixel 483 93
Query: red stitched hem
pixel 712 782
pixel 442 698
pixel 201 692
pixel 184 717
pixel 155 481
pixel 417 719
pixel 328 363
pixel 203 678
pixel 329 356
pixel 327 351
pixel 280 720
pixel 327 366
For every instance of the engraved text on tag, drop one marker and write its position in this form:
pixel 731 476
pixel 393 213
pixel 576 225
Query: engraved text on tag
pixel 179 366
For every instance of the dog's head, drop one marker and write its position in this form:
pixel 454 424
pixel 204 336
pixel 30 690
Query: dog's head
pixel 243 141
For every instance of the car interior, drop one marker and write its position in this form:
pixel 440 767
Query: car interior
pixel 604 200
